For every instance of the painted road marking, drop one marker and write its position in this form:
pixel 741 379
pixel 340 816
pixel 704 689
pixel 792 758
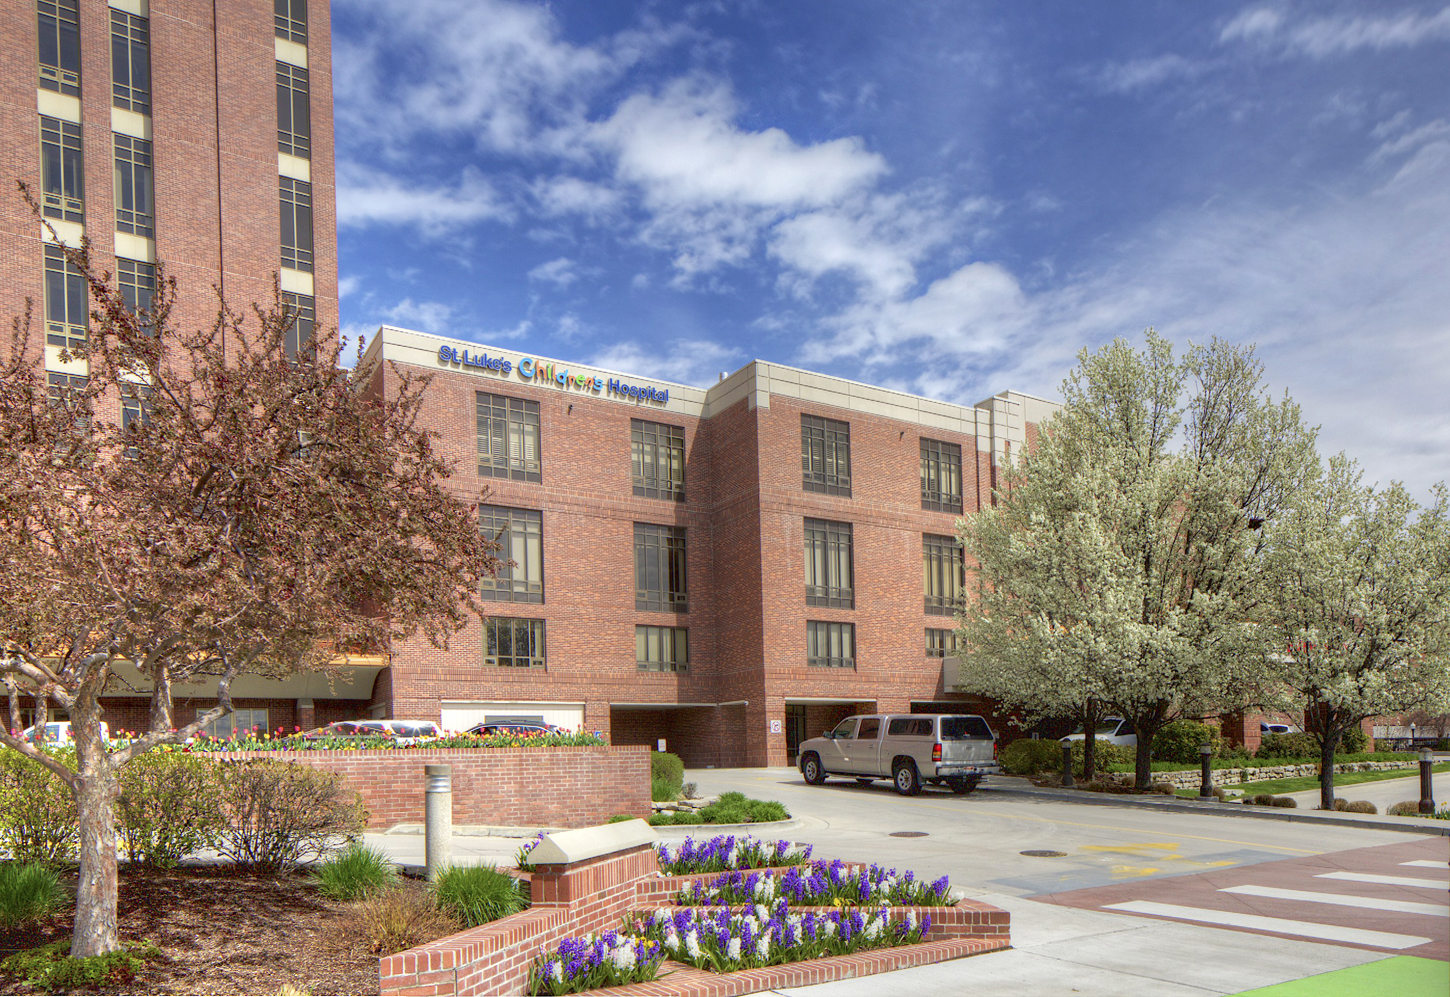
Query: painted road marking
pixel 1428 864
pixel 1277 925
pixel 1370 877
pixel 1341 900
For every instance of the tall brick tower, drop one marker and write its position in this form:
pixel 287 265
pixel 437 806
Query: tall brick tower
pixel 196 134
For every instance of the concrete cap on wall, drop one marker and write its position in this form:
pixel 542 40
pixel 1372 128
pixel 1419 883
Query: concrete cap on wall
pixel 566 847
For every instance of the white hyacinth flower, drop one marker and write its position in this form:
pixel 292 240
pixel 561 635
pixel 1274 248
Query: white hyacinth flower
pixel 762 946
pixel 553 971
pixel 663 914
pixel 623 957
pixel 672 941
pixel 732 950
pixel 762 912
pixel 689 888
pixel 692 945
pixel 732 858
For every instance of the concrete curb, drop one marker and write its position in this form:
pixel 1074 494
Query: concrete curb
pixel 713 830
pixel 489 831
pixel 1409 825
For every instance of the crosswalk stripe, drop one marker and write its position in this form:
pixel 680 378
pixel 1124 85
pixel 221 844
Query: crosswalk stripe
pixel 1341 900
pixel 1428 864
pixel 1278 925
pixel 1370 877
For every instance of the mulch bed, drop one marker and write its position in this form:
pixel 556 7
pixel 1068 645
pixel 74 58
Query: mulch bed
pixel 221 932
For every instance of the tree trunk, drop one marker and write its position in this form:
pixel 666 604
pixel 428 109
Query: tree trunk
pixel 161 715
pixel 97 788
pixel 1089 749
pixel 12 692
pixel 40 716
pixel 1328 742
pixel 1142 760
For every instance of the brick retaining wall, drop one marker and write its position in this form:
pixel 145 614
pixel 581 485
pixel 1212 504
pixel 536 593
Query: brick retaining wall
pixel 520 787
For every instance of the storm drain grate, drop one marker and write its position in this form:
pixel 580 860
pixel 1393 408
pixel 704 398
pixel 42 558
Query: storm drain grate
pixel 908 834
pixel 1042 853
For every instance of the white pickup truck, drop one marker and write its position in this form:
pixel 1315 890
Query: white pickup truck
pixel 952 749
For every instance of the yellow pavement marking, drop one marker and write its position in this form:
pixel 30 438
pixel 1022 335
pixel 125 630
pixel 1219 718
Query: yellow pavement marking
pixel 1130 871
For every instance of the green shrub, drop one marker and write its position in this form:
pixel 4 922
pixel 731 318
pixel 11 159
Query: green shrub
pixel 619 818
pixel 28 892
pixel 477 894
pixel 666 776
pixel 354 872
pixel 1264 800
pixel 396 919
pixel 1405 808
pixel 1106 756
pixel 1360 807
pixel 1287 802
pixel 736 808
pixel 273 814
pixel 1353 741
pixel 1025 756
pixel 167 807
pixel 1179 741
pixel 37 810
pixel 1297 745
pixel 666 819
pixel 51 969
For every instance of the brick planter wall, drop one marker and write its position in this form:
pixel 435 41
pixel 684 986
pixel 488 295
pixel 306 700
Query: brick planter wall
pixel 520 787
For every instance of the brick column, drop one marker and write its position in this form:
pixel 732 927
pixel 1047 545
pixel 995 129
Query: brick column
pixel 306 714
pixel 1242 729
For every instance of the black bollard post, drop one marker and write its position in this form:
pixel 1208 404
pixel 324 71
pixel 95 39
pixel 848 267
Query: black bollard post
pixel 1067 764
pixel 1205 760
pixel 1427 785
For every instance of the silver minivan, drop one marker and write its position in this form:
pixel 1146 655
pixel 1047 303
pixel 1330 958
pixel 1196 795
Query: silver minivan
pixel 950 749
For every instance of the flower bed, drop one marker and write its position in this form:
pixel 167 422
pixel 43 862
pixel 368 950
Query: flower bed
pixel 727 851
pixel 817 885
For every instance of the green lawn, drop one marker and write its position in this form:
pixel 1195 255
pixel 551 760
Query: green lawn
pixel 1400 976
pixel 1281 786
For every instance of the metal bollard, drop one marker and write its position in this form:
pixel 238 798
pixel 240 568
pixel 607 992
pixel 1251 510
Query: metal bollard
pixel 437 819
pixel 1205 761
pixel 1427 785
pixel 1067 765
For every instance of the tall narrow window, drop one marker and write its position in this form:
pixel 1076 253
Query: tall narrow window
pixel 135 406
pixel 941 476
pixel 659 568
pixel 294 121
pixel 296 198
pixel 661 649
pixel 291 20
pixel 831 645
pixel 62 176
pixel 829 564
pixel 130 62
pixel 942 643
pixel 303 309
pixel 66 301
pixel 513 643
pixel 137 281
pixel 657 459
pixel 508 438
pixel 67 391
pixel 60 45
pixel 520 535
pixel 826 455
pixel 135 193
pixel 943 575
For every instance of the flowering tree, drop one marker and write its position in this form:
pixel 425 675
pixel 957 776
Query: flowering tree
pixel 203 505
pixel 1358 618
pixel 1116 568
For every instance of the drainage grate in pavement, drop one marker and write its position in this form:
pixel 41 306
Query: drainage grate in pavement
pixel 908 834
pixel 1042 853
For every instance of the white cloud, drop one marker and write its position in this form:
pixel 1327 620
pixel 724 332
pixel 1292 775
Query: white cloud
pixel 1142 74
pixel 567 195
pixel 426 316
pixel 560 272
pixel 348 285
pixel 685 361
pixel 1408 141
pixel 367 197
pixel 1319 37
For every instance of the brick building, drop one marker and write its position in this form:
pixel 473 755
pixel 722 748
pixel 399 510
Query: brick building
pixel 728 570
pixel 193 136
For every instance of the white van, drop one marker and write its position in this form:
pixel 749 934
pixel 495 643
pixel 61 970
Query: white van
pixel 57 732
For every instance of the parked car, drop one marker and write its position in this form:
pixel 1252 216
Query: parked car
pixel 1113 730
pixel 58 732
pixel 401 731
pixel 955 750
pixel 1267 727
pixel 515 728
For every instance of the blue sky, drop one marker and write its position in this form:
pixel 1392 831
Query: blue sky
pixel 950 198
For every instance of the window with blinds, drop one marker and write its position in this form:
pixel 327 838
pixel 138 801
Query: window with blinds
pixel 62 173
pixel 520 536
pixel 659 568
pixel 826 455
pixel 942 643
pixel 508 438
pixel 657 459
pixel 662 649
pixel 829 568
pixel 941 476
pixel 943 575
pixel 67 300
pixel 513 643
pixel 135 187
pixel 830 645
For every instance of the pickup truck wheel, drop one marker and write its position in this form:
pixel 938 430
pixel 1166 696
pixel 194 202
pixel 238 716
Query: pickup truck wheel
pixel 961 785
pixel 811 769
pixel 908 783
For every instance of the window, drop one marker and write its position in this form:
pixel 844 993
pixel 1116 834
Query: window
pixel 659 568
pixel 294 125
pixel 508 438
pixel 135 405
pixel 909 727
pixel 236 723
pixel 60 45
pixel 135 193
pixel 657 459
pixel 826 455
pixel 66 390
pixel 662 649
pixel 828 564
pixel 869 730
pixel 831 645
pixel 513 643
pixel 845 730
pixel 942 643
pixel 941 476
pixel 137 281
pixel 296 224
pixel 66 300
pixel 62 176
pixel 130 62
pixel 943 576
pixel 303 309
pixel 291 20
pixel 520 534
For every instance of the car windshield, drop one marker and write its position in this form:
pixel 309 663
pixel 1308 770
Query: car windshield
pixel 1104 729
pixel 965 729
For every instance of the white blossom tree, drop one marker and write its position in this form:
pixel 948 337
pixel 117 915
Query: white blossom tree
pixel 1358 619
pixel 1120 563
